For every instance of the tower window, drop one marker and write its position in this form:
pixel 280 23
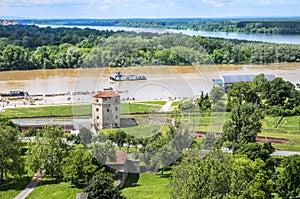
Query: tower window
pixel 97 117
pixel 97 109
pixel 107 110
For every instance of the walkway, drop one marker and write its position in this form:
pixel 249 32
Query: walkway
pixel 31 186
pixel 166 107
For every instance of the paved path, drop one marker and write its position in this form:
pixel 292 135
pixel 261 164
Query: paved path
pixel 286 153
pixel 31 186
pixel 166 107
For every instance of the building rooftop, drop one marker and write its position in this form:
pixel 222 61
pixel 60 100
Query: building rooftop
pixel 121 157
pixel 105 94
pixel 244 78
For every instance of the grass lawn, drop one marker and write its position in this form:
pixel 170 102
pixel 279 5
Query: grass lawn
pixel 156 102
pixel 63 110
pixel 49 189
pixel 142 130
pixel 286 147
pixel 149 186
pixel 13 187
pixel 84 109
pixel 138 131
pixel 176 103
pixel 139 107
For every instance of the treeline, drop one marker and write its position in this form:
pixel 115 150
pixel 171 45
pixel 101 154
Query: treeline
pixel 31 47
pixel 266 27
pixel 254 25
pixel 257 26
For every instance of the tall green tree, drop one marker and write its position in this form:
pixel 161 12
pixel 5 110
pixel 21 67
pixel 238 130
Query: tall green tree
pixel 118 137
pixel 104 151
pixel 243 125
pixel 11 161
pixel 101 187
pixel 47 151
pixel 288 183
pixel 85 136
pixel 79 166
pixel 242 92
pixel 278 92
pixel 216 94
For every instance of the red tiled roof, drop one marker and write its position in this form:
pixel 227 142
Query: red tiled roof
pixel 106 94
pixel 120 158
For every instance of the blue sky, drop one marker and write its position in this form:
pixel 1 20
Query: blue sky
pixel 147 8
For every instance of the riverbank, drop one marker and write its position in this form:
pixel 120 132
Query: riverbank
pixel 162 81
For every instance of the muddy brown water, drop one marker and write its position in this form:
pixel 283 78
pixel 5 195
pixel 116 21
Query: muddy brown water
pixel 162 81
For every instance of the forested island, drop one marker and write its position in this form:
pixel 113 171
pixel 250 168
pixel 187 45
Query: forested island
pixel 26 47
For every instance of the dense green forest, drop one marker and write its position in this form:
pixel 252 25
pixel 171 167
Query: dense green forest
pixel 25 47
pixel 249 25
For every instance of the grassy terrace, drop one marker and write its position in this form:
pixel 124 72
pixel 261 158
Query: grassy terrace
pixel 86 109
pixel 288 128
pixel 49 189
pixel 149 186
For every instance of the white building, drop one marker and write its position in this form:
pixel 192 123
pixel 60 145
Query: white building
pixel 106 110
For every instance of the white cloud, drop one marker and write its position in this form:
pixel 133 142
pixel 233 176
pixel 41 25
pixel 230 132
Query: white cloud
pixel 214 2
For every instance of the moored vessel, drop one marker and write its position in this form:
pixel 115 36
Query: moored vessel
pixel 132 77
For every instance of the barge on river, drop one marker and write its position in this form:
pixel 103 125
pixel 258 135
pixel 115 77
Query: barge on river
pixel 14 93
pixel 121 77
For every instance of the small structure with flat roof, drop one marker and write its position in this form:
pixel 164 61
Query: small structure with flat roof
pixel 227 80
pixel 106 110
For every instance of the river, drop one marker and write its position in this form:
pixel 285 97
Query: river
pixel 273 38
pixel 162 81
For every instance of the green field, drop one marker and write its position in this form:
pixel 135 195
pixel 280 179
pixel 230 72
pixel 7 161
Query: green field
pixel 156 102
pixel 47 111
pixel 149 186
pixel 49 189
pixel 69 110
pixel 139 107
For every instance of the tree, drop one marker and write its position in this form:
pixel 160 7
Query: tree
pixel 288 183
pixel 209 141
pixel 260 83
pixel 101 187
pixel 242 92
pixel 104 151
pixel 79 166
pixel 47 151
pixel 278 92
pixel 216 94
pixel 243 125
pixel 204 103
pixel 11 161
pixel 119 138
pixel 186 105
pixel 85 136
pixel 219 175
pixel 256 150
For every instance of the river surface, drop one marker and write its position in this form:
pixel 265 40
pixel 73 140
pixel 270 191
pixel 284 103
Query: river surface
pixel 273 38
pixel 162 81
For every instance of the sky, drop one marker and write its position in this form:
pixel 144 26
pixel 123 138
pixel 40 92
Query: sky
pixel 110 9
